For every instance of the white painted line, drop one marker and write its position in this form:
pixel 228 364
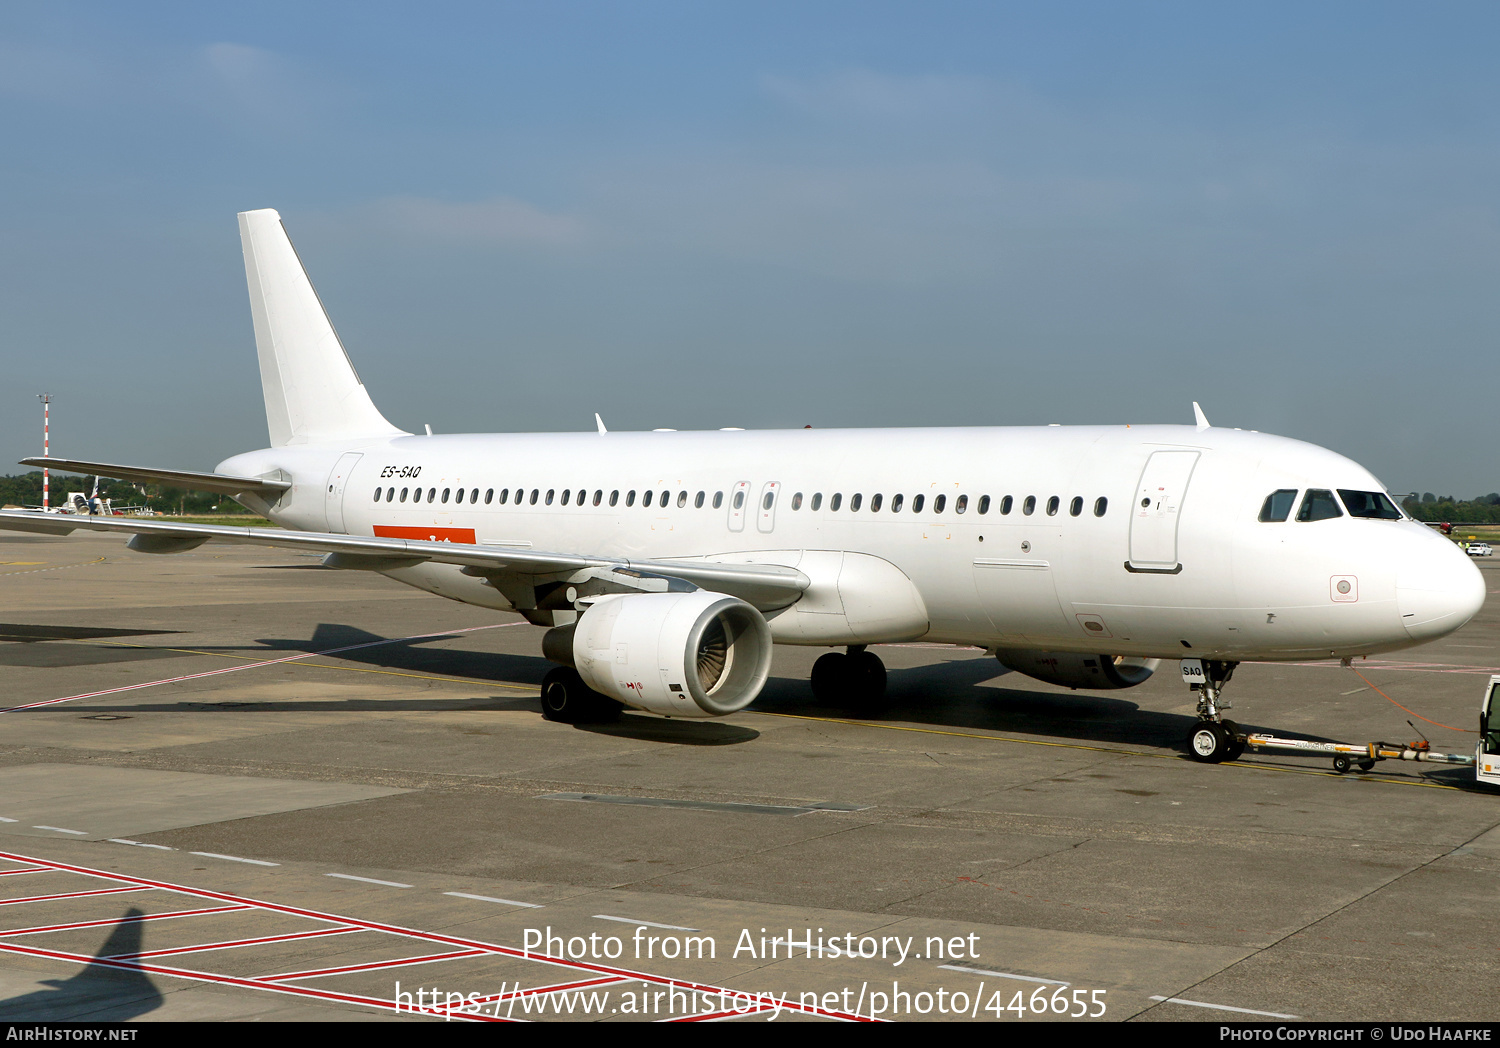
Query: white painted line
pixel 235 858
pixel 647 924
pixel 4 819
pixel 59 829
pixel 491 898
pixel 366 880
pixel 1224 1007
pixel 139 844
pixel 1003 975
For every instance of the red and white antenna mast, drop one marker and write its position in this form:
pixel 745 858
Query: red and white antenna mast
pixel 46 399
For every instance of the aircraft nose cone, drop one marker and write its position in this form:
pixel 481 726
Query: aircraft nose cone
pixel 1438 588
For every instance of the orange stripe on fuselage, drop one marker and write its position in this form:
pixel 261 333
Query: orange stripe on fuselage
pixel 388 531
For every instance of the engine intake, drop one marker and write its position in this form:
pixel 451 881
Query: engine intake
pixel 1071 670
pixel 696 654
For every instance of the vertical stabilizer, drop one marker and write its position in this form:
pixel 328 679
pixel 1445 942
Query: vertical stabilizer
pixel 312 391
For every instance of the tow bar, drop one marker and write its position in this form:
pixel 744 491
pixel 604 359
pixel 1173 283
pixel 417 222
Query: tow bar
pixel 1485 759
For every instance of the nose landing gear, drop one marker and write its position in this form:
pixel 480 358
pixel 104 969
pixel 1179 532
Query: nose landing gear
pixel 1214 739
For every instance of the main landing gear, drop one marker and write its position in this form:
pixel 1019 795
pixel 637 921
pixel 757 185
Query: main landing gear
pixel 1214 739
pixel 567 699
pixel 851 681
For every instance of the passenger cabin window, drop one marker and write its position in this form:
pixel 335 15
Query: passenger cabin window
pixel 765 503
pixel 681 499
pixel 1100 505
pixel 614 497
pixel 1076 506
pixel 960 504
pixel 1277 505
pixel 896 501
pixel 647 499
pixel 567 493
pixel 739 499
pixel 817 501
pixel 473 496
pixel 698 501
pixel 489 496
pixel 984 504
pixel 854 501
pixel 1005 505
pixel 665 497
pixel 835 502
pixel 598 496
pixel 1318 504
pixel 718 499
pixel 796 501
pixel 432 495
pixel 1052 505
pixel 630 497
pixel 549 496
pixel 403 494
pixel 916 503
pixel 938 502
pixel 1372 505
pixel 1029 506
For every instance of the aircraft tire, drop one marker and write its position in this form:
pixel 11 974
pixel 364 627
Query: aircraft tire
pixel 830 678
pixel 1236 746
pixel 567 700
pixel 1209 743
pixel 865 682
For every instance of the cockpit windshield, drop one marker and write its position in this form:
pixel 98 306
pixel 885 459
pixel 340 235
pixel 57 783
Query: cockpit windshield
pixel 1277 505
pixel 1318 504
pixel 1376 505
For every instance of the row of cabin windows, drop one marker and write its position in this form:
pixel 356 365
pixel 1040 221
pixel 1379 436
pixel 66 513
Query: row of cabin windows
pixel 663 499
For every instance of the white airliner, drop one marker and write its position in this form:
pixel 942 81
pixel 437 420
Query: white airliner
pixel 667 564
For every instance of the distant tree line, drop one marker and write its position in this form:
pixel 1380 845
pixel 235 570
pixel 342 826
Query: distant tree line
pixel 1435 509
pixel 26 490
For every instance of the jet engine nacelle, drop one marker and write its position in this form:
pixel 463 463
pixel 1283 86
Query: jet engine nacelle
pixel 1079 671
pixel 697 654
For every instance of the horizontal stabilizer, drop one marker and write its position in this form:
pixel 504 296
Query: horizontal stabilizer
pixel 173 478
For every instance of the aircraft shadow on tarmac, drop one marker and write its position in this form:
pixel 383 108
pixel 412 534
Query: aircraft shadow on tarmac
pixel 949 696
pixel 99 993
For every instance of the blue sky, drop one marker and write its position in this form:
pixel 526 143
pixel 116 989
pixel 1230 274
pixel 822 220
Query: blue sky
pixel 764 215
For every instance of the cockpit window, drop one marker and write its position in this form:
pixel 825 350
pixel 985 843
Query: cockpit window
pixel 1375 505
pixel 1318 504
pixel 1277 505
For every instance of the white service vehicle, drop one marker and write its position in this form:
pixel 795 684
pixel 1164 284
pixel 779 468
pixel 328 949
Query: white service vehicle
pixel 665 565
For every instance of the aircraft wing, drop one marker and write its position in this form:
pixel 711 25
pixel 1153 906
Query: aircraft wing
pixel 767 586
pixel 175 478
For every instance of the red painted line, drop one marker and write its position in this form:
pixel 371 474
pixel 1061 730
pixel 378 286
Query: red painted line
pixel 224 980
pixel 235 944
pixel 34 869
pixel 68 895
pixel 412 933
pixel 252 666
pixel 374 965
pixel 121 920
